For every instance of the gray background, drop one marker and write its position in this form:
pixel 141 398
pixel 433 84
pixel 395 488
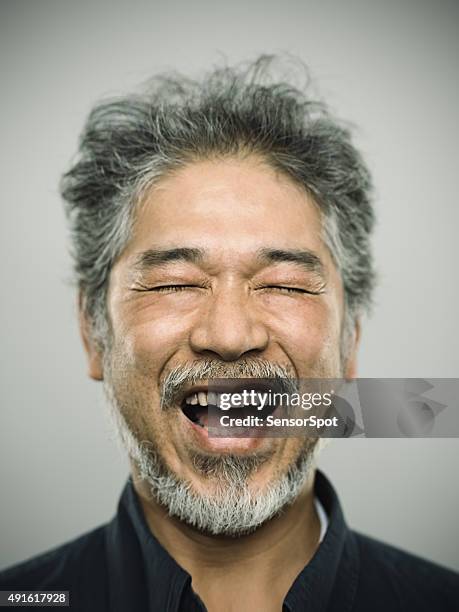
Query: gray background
pixel 392 68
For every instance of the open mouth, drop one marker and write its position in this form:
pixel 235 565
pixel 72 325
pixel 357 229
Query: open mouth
pixel 195 406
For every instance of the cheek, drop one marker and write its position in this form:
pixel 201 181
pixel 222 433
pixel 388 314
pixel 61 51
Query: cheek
pixel 151 340
pixel 308 333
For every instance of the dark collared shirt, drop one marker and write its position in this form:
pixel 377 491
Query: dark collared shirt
pixel 121 567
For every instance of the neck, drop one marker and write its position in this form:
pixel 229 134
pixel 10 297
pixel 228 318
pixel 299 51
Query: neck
pixel 287 541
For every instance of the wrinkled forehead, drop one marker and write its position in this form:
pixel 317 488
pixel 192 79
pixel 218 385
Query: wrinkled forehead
pixel 231 209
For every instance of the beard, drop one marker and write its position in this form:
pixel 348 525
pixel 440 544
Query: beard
pixel 229 505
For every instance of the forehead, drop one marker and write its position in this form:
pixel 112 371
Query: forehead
pixel 233 206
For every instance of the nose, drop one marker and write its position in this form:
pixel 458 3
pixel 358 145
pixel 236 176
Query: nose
pixel 229 329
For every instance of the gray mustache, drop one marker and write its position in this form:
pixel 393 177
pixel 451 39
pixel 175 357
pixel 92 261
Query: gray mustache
pixel 189 374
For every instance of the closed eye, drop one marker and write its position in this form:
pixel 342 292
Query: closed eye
pixel 283 289
pixel 165 288
pixel 178 288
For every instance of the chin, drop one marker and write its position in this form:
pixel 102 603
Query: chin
pixel 228 500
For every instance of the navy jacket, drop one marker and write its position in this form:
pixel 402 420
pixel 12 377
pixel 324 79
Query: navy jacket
pixel 121 567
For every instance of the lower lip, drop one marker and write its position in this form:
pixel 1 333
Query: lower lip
pixel 201 437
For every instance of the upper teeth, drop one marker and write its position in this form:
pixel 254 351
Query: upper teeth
pixel 203 398
pixel 197 398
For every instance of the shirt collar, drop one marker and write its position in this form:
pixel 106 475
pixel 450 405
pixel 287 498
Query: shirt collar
pixel 326 574
pixel 144 577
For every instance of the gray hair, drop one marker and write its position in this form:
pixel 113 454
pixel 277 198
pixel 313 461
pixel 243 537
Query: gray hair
pixel 130 142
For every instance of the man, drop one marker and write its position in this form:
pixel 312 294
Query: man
pixel 221 230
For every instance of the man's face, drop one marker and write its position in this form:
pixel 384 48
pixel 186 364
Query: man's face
pixel 227 266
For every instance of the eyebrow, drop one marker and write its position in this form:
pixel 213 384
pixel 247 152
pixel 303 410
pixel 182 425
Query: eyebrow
pixel 304 258
pixel 158 257
pixel 152 258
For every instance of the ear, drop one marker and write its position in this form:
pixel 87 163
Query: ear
pixel 93 351
pixel 350 368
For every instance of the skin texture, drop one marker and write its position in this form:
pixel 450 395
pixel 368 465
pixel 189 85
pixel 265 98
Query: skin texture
pixel 232 305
